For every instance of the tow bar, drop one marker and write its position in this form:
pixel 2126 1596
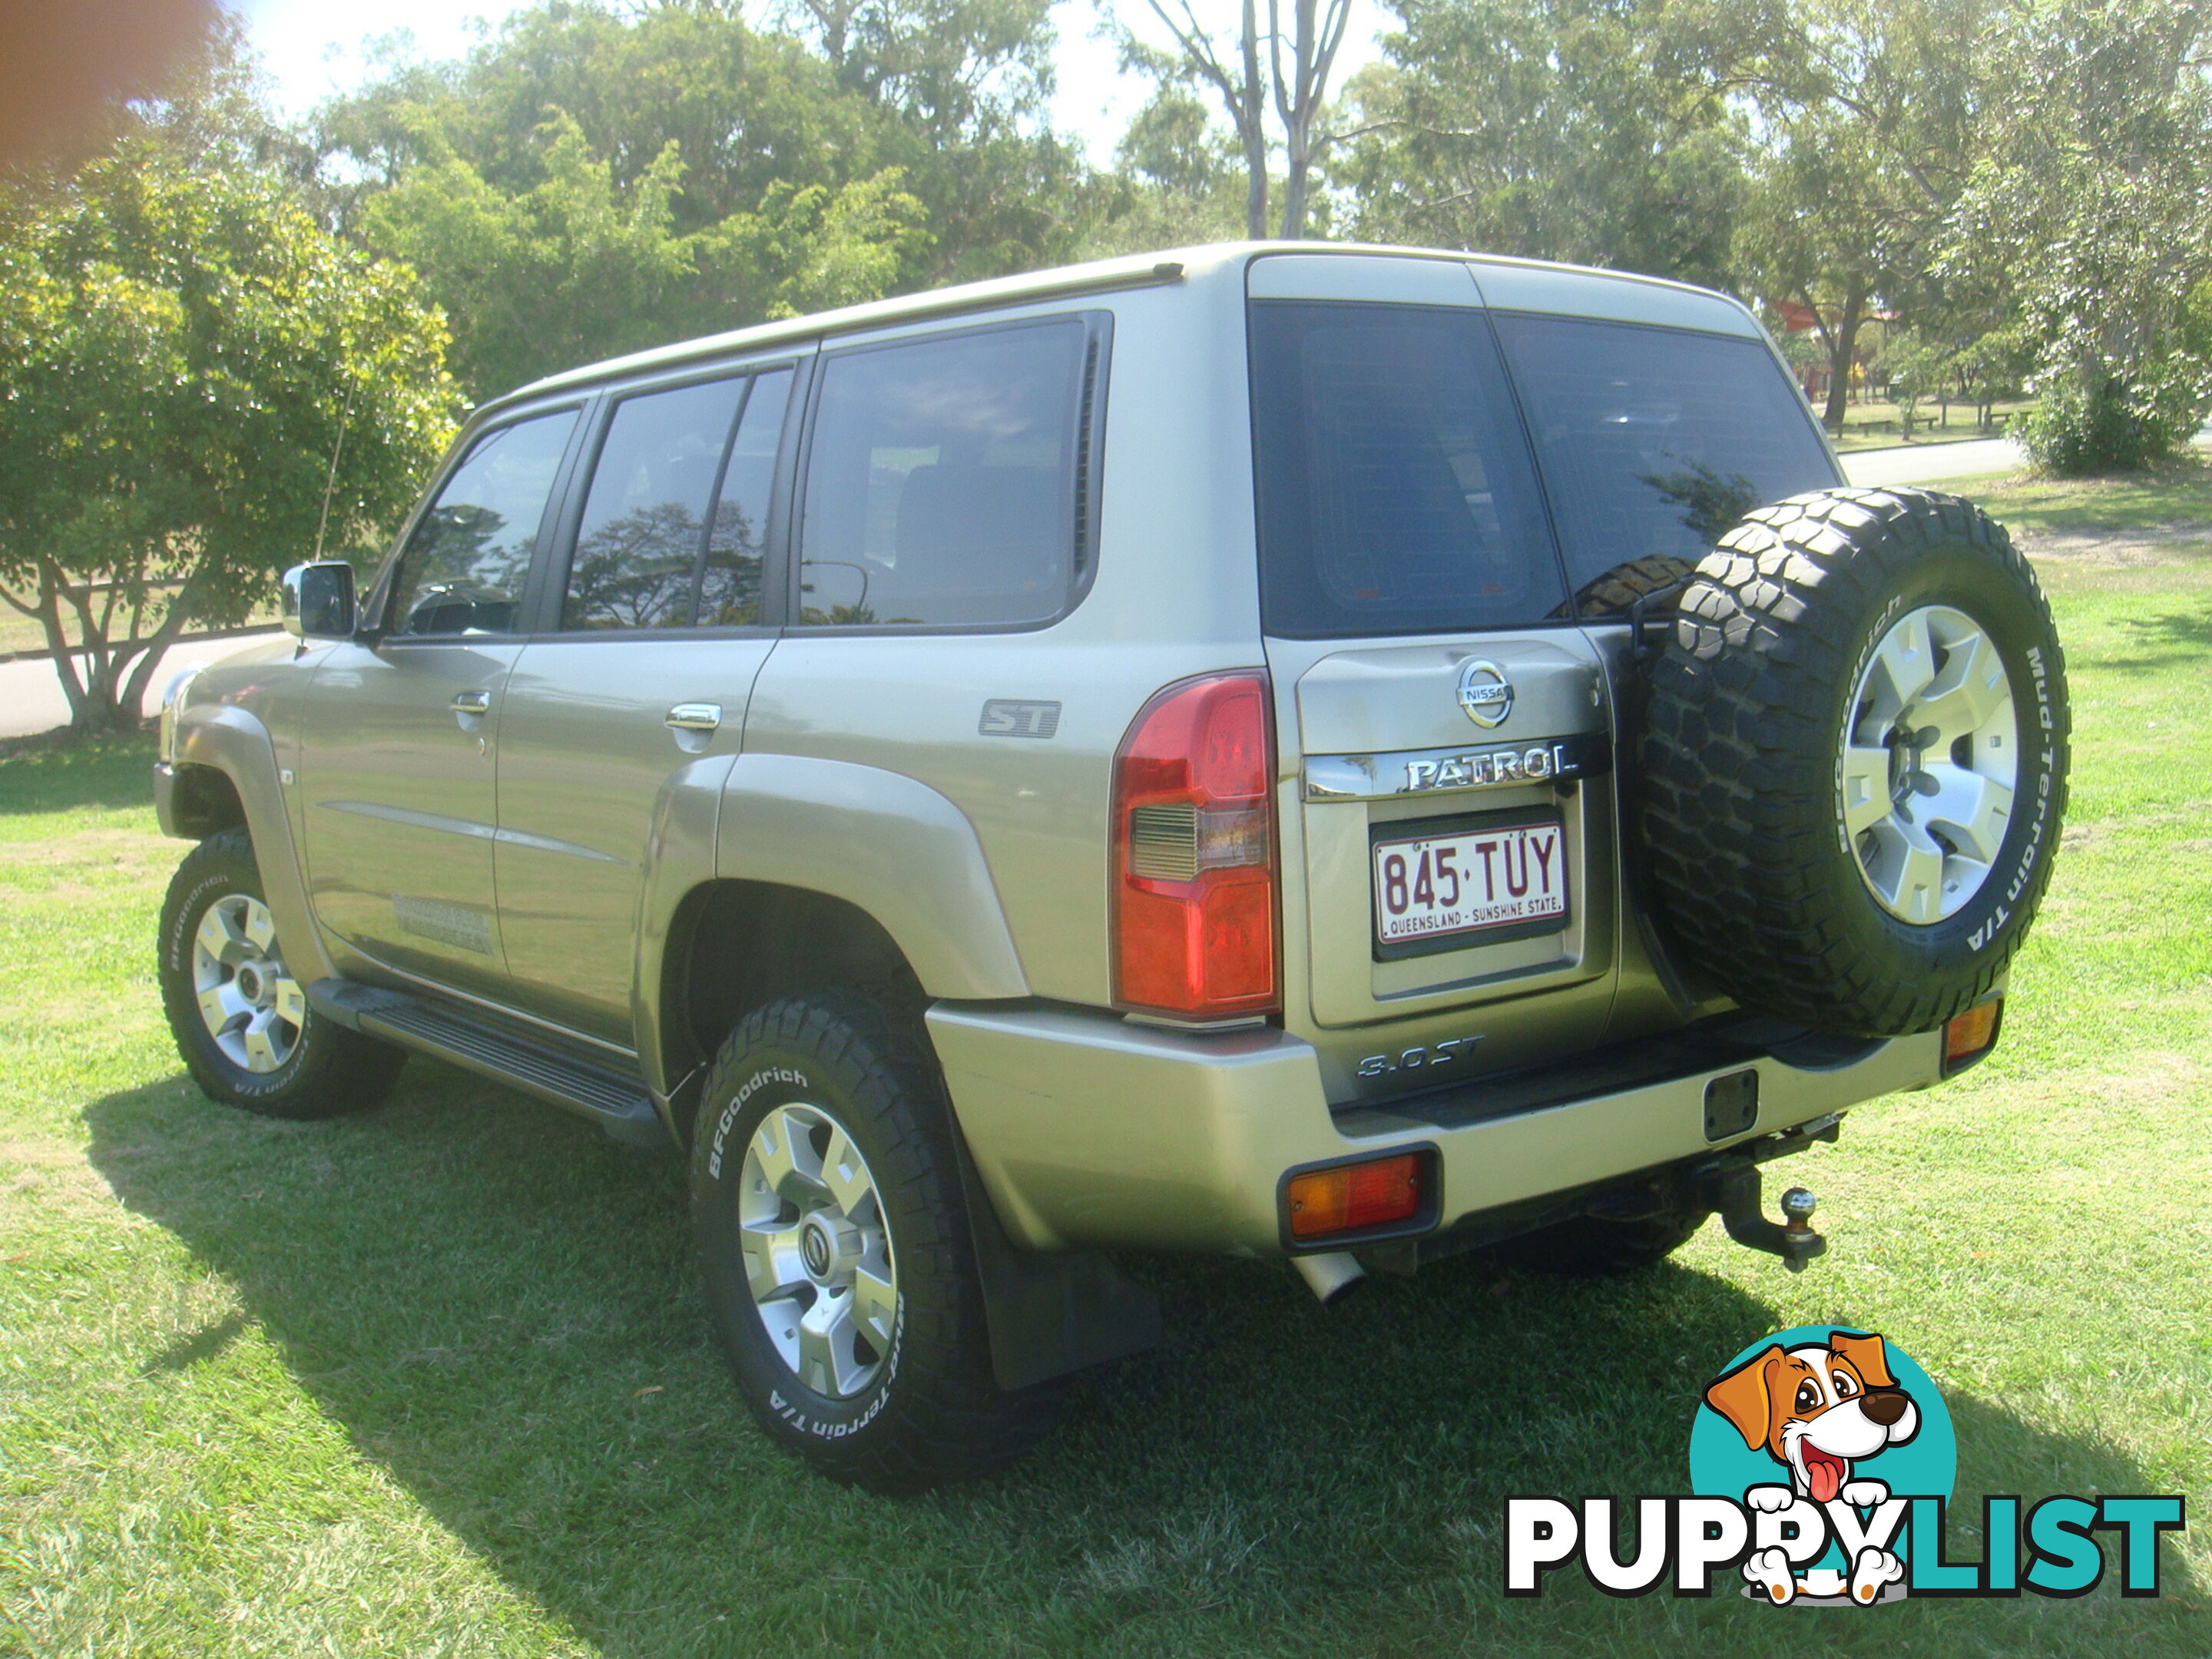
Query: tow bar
pixel 1734 1192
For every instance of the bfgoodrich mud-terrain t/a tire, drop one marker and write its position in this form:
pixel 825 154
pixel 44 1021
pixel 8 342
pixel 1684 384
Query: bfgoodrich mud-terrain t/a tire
pixel 244 1029
pixel 1854 760
pixel 834 1238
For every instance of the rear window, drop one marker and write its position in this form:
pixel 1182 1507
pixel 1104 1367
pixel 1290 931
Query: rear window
pixel 1396 491
pixel 1653 442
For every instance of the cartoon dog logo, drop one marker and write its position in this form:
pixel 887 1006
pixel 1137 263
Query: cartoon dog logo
pixel 1818 1410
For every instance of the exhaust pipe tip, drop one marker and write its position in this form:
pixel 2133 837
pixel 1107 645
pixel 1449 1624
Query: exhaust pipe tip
pixel 1330 1276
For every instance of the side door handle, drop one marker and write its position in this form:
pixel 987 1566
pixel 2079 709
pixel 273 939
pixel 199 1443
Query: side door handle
pixel 695 717
pixel 470 703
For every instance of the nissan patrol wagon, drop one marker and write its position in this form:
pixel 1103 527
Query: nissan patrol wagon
pixel 1346 756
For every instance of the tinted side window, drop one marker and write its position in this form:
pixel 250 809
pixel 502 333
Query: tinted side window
pixel 731 579
pixel 636 563
pixel 1654 442
pixel 463 566
pixel 940 482
pixel 1395 493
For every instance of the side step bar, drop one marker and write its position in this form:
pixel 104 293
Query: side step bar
pixel 619 1104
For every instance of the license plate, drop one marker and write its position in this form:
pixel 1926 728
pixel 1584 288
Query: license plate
pixel 1507 876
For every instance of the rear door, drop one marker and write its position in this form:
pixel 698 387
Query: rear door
pixel 641 670
pixel 1457 500
pixel 1453 800
pixel 1659 417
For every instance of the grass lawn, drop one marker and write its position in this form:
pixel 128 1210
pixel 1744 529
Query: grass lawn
pixel 1875 425
pixel 432 1381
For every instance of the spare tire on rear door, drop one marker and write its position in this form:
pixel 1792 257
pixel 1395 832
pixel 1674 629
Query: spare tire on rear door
pixel 1854 760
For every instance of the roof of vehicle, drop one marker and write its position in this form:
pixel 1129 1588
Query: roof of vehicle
pixel 1102 276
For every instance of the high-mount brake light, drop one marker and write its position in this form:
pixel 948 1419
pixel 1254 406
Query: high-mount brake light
pixel 1195 875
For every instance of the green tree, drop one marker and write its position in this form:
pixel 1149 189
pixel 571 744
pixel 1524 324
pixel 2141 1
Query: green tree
pixel 591 180
pixel 1282 70
pixel 197 384
pixel 1867 112
pixel 1180 182
pixel 1599 131
pixel 2092 197
pixel 1994 366
pixel 1915 370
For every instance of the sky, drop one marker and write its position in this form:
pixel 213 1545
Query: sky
pixel 312 48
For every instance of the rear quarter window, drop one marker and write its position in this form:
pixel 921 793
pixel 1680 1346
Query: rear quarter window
pixel 942 480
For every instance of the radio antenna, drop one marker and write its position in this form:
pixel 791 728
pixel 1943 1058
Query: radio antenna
pixel 331 483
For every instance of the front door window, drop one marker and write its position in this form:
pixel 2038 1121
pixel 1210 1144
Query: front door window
pixel 464 568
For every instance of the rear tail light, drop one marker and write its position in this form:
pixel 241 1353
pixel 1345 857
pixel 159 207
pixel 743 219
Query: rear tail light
pixel 1968 1036
pixel 1194 872
pixel 1352 1197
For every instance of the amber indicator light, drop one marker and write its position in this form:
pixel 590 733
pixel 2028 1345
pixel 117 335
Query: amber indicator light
pixel 1354 1196
pixel 1968 1036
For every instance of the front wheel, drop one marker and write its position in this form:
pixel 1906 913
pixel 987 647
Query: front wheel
pixel 834 1238
pixel 240 1017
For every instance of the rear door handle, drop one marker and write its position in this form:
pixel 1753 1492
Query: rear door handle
pixel 695 716
pixel 471 703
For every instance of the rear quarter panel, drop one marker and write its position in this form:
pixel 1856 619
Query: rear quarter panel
pixel 1174 595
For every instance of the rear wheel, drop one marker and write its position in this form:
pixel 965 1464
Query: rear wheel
pixel 834 1238
pixel 240 1019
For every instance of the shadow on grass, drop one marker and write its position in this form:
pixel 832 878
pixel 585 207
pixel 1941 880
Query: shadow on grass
pixel 52 773
pixel 498 1307
pixel 2171 633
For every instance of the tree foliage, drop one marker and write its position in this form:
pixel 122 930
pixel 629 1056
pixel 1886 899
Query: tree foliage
pixel 589 180
pixel 1181 181
pixel 1599 131
pixel 1277 62
pixel 182 349
pixel 1867 112
pixel 2091 200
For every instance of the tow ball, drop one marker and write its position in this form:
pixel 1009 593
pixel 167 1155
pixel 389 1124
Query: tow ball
pixel 1735 1195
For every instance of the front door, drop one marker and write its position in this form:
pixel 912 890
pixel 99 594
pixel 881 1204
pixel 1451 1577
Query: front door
pixel 642 675
pixel 399 739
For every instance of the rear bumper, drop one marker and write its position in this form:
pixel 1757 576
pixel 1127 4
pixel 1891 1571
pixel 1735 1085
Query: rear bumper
pixel 1089 1131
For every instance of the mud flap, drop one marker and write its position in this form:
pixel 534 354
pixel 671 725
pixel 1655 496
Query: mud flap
pixel 1051 1314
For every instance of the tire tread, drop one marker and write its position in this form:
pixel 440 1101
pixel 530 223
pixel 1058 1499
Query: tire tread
pixel 1737 739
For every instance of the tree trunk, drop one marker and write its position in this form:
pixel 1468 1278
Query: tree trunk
pixel 156 645
pixel 1251 128
pixel 1843 341
pixel 1294 102
pixel 47 608
pixel 1299 97
pixel 106 689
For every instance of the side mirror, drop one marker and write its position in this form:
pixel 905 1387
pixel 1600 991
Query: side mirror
pixel 318 601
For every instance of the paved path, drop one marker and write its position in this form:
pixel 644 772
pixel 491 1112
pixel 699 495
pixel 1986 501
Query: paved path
pixel 1932 463
pixel 31 697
